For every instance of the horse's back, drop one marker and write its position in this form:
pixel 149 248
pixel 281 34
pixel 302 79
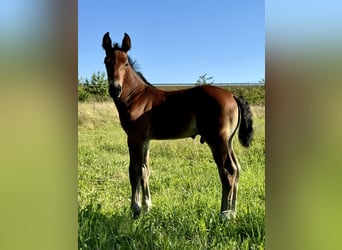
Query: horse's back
pixel 213 100
pixel 218 94
pixel 185 113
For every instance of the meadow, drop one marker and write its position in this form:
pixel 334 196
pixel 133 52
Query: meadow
pixel 185 189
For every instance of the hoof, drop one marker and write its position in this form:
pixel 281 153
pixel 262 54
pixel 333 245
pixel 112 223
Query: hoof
pixel 146 209
pixel 228 214
pixel 146 206
pixel 136 212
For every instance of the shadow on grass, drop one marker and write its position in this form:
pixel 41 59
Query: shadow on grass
pixel 98 230
pixel 165 229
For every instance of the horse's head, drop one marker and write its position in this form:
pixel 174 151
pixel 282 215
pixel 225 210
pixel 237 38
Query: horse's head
pixel 116 62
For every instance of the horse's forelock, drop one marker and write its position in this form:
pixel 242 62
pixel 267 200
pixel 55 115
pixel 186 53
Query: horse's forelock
pixel 116 46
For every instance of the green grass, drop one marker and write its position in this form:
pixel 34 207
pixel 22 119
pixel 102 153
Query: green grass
pixel 185 189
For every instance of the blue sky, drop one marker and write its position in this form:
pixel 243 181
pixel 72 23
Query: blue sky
pixel 177 41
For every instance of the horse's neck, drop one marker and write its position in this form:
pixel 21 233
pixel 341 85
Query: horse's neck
pixel 133 86
pixel 132 102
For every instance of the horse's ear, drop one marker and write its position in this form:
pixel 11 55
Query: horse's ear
pixel 126 43
pixel 107 42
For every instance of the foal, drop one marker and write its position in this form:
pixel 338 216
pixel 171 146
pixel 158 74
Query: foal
pixel 149 113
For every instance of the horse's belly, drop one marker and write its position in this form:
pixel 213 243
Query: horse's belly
pixel 174 129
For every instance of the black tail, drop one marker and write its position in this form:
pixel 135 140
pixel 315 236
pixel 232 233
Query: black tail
pixel 246 122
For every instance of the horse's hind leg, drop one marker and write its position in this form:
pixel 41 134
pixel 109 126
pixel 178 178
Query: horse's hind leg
pixel 146 202
pixel 236 165
pixel 228 172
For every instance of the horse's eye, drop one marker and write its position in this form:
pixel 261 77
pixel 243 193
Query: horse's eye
pixel 126 65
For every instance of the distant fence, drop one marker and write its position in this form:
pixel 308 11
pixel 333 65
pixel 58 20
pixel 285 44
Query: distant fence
pixel 215 84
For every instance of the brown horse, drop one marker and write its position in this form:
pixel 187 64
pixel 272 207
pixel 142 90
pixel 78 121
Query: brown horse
pixel 149 113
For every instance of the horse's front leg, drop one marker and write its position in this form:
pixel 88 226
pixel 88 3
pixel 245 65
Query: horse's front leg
pixel 146 202
pixel 135 173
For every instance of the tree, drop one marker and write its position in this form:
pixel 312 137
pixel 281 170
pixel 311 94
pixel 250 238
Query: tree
pixel 96 88
pixel 204 80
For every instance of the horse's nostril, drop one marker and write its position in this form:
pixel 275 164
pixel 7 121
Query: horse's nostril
pixel 115 91
pixel 118 90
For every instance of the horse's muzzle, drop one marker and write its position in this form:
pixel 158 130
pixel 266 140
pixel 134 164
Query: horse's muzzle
pixel 115 91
